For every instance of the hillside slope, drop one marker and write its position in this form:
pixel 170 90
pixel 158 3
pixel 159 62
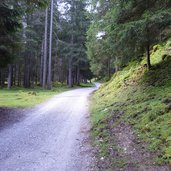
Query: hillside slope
pixel 135 107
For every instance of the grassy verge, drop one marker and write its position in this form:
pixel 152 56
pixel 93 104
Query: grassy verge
pixel 21 98
pixel 87 85
pixel 144 99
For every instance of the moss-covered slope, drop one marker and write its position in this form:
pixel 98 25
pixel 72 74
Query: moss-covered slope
pixel 143 98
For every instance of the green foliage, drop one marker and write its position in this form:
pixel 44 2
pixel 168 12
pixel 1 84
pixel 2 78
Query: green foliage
pixel 72 37
pixel 87 85
pixel 9 24
pixel 58 84
pixel 11 14
pixel 131 27
pixel 144 97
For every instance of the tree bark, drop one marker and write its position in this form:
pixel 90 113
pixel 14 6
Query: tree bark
pixel 18 75
pixel 45 50
pixel 9 76
pixel 50 49
pixel 27 72
pixel 2 77
pixel 41 65
pixel 116 64
pixel 78 75
pixel 14 75
pixel 70 79
pixel 70 83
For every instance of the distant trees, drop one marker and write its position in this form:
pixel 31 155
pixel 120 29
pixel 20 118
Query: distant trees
pixel 9 24
pixel 131 28
pixel 143 23
pixel 45 41
pixel 72 41
pixel 41 44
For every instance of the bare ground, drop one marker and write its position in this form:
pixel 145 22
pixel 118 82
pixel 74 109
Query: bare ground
pixel 125 151
pixel 10 116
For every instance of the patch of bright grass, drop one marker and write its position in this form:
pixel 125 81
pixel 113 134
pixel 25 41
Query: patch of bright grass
pixel 86 85
pixel 21 98
pixel 144 97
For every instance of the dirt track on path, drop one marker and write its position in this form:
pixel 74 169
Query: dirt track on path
pixel 53 136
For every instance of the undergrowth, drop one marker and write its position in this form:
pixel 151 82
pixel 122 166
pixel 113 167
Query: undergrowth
pixel 144 98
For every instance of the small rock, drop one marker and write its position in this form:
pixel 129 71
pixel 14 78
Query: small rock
pixel 102 158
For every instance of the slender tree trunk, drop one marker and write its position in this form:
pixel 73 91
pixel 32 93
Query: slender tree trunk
pixel 56 67
pixel 14 75
pixel 45 50
pixel 9 76
pixel 18 75
pixel 2 77
pixel 148 57
pixel 116 64
pixel 70 81
pixel 41 65
pixel 78 75
pixel 50 49
pixel 27 72
pixel 27 59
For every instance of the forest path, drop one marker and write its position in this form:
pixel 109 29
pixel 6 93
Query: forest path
pixel 53 136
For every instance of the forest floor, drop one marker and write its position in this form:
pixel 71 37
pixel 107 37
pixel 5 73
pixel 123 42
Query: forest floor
pixel 131 116
pixel 21 97
pixel 10 116
pixel 52 136
pixel 125 151
pixel 18 97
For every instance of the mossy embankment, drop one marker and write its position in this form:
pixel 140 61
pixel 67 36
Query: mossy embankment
pixel 141 100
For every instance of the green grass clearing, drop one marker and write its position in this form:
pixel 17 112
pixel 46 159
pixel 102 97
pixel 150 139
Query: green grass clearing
pixel 21 98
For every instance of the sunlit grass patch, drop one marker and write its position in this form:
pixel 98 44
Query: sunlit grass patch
pixel 20 97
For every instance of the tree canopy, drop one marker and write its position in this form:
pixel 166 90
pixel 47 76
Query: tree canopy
pixel 130 27
pixel 41 42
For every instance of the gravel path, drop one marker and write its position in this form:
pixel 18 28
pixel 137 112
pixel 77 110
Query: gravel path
pixel 53 136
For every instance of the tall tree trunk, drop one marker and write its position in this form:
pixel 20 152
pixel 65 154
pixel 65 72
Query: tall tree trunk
pixel 148 56
pixel 2 77
pixel 70 81
pixel 50 49
pixel 14 75
pixel 27 72
pixel 56 67
pixel 41 64
pixel 27 59
pixel 18 75
pixel 78 75
pixel 9 76
pixel 45 50
pixel 116 64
